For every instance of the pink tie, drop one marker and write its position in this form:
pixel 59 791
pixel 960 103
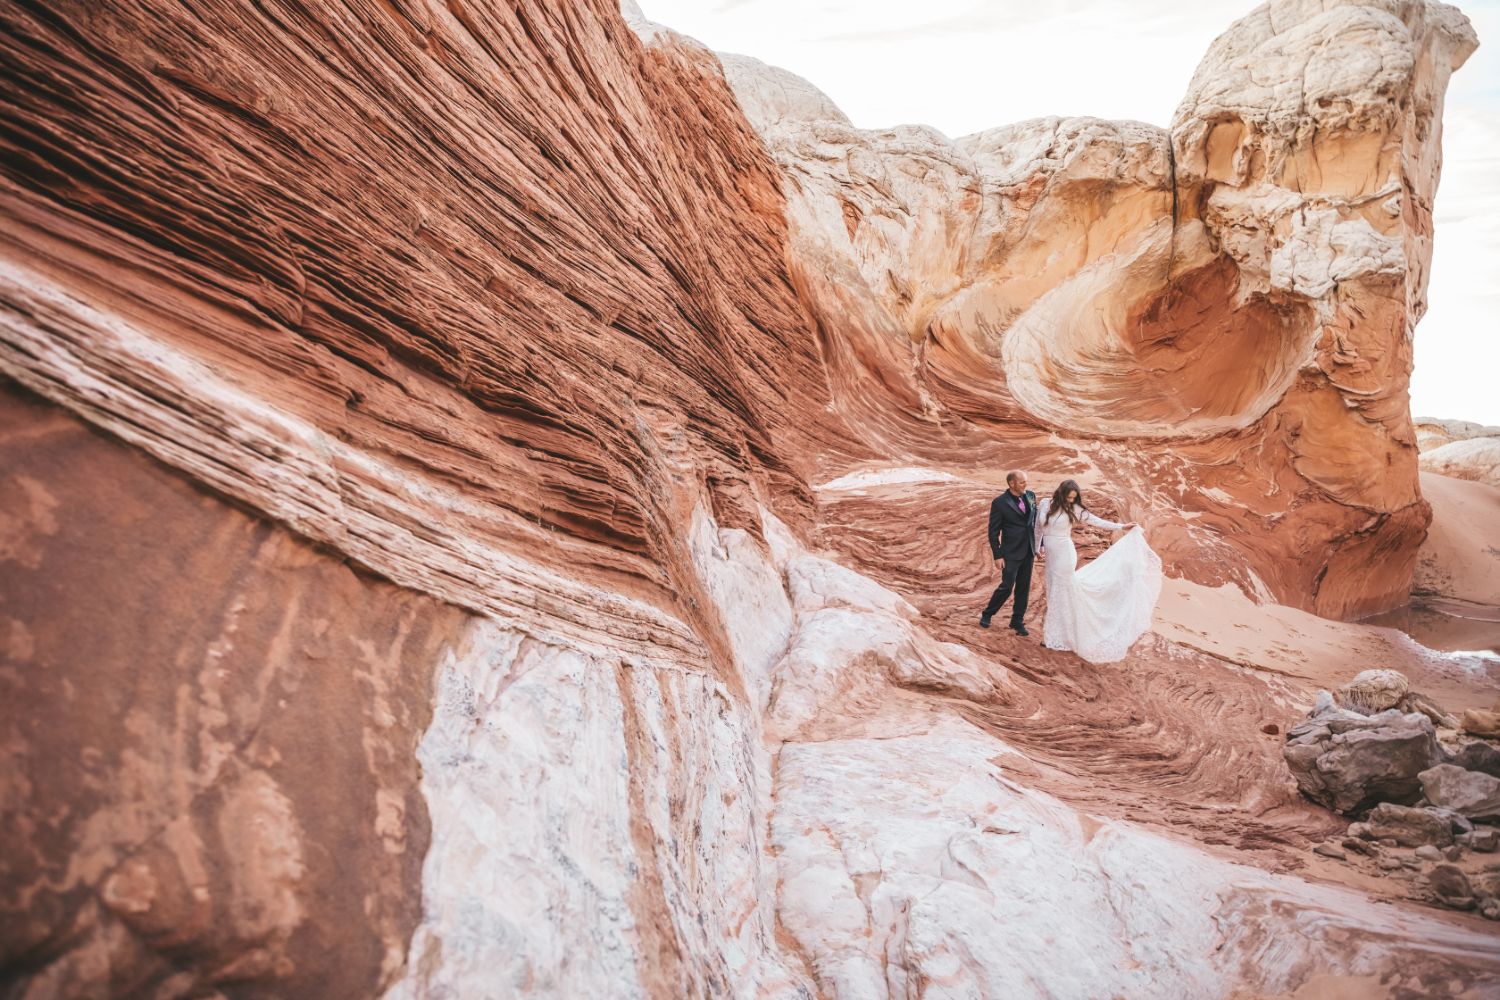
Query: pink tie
pixel 1022 502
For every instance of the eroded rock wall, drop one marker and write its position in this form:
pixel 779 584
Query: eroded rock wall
pixel 438 289
pixel 448 550
pixel 210 731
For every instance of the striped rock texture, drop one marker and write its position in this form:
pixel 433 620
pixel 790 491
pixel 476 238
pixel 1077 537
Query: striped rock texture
pixel 492 497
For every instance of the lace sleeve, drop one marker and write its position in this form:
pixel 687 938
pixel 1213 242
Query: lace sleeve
pixel 1088 517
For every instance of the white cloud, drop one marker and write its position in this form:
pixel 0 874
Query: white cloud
pixel 966 65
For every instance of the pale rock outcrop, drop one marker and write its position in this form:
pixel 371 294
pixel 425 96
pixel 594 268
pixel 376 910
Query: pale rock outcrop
pixel 1476 459
pixel 906 861
pixel 1434 433
pixel 414 578
pixel 562 789
pixel 854 638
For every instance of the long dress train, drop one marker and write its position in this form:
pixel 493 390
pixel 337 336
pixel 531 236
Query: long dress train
pixel 1099 611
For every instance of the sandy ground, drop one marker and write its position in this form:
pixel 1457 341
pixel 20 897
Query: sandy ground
pixel 1461 556
pixel 1317 652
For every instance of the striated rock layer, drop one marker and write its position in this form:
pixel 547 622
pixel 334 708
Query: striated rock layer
pixel 1476 459
pixel 493 498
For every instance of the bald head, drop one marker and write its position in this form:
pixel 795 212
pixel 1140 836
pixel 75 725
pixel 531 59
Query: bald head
pixel 1016 480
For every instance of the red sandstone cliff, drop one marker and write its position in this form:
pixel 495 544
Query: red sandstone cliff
pixel 435 558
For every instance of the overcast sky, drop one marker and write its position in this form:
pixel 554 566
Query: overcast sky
pixel 966 65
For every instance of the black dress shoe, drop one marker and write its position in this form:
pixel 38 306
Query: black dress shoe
pixel 984 621
pixel 1020 629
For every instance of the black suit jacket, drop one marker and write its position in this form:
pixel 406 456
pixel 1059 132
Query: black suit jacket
pixel 1011 532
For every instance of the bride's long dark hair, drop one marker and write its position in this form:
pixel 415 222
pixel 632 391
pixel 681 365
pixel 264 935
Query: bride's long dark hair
pixel 1060 501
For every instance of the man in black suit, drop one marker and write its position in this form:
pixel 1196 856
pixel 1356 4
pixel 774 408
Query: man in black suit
pixel 1012 532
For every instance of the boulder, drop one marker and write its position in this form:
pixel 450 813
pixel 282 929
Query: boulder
pixel 1470 793
pixel 1411 827
pixel 1482 722
pixel 1458 821
pixel 1484 840
pixel 1374 691
pixel 1485 884
pixel 1479 757
pixel 1347 762
pixel 1451 886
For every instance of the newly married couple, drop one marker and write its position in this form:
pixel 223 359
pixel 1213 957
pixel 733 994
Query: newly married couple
pixel 1098 611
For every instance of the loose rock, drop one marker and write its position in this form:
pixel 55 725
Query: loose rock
pixel 1373 691
pixel 1457 821
pixel 1469 793
pixel 1481 722
pixel 1409 826
pixel 1451 886
pixel 1346 761
pixel 1415 702
pixel 1479 757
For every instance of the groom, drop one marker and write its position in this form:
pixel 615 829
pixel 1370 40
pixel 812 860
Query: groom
pixel 1012 532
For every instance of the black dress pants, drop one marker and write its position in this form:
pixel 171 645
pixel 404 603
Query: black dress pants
pixel 1016 576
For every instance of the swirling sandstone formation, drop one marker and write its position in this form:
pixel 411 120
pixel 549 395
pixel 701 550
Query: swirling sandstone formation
pixel 490 502
pixel 1243 285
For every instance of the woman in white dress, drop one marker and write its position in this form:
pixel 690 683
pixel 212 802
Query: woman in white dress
pixel 1100 610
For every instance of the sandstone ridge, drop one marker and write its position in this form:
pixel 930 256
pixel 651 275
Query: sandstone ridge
pixel 491 509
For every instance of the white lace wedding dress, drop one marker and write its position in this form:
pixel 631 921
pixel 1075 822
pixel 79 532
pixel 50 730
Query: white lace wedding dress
pixel 1099 611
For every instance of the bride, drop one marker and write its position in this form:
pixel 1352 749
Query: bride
pixel 1100 610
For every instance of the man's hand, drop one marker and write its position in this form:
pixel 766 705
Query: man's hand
pixel 1000 564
